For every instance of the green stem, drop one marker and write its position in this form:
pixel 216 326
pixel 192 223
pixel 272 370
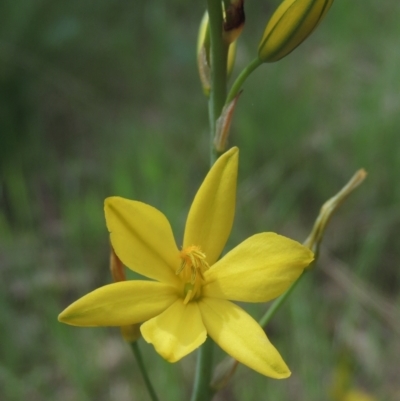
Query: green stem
pixel 202 390
pixel 143 371
pixel 237 85
pixel 219 57
pixel 279 302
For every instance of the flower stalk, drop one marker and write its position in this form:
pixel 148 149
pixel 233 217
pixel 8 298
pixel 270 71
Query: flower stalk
pixel 237 85
pixel 202 390
pixel 139 359
pixel 218 87
pixel 219 60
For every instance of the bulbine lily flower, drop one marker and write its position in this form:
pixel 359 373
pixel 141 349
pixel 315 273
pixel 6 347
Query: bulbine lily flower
pixel 190 291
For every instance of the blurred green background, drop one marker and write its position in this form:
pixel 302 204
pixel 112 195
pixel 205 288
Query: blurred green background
pixel 102 98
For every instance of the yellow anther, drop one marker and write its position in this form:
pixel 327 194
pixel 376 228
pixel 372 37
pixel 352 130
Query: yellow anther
pixel 192 270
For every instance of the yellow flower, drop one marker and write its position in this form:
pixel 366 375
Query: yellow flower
pixel 190 290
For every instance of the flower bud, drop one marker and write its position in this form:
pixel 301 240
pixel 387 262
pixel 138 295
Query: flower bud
pixel 131 333
pixel 203 54
pixel 292 22
pixel 234 19
pixel 116 267
pixel 231 58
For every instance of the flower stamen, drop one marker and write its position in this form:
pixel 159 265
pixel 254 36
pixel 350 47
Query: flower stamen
pixel 192 270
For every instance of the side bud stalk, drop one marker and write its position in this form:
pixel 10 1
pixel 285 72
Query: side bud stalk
pixel 292 22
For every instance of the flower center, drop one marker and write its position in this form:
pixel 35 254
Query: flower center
pixel 191 271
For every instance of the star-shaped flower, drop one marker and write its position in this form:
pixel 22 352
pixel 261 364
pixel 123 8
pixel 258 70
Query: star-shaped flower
pixel 190 291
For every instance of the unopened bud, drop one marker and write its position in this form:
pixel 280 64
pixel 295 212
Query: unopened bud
pixel 231 58
pixel 292 22
pixel 131 333
pixel 234 19
pixel 204 62
pixel 203 54
pixel 116 267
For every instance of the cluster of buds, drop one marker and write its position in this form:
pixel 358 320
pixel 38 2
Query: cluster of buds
pixel 232 27
pixel 291 23
pixel 203 52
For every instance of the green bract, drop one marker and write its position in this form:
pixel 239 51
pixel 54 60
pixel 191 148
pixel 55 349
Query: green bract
pixel 292 22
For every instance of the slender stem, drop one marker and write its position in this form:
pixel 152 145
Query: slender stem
pixel 143 371
pixel 202 390
pixel 237 85
pixel 219 57
pixel 279 302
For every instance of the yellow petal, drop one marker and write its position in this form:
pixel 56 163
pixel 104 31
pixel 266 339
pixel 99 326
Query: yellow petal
pixel 258 270
pixel 176 332
pixel 211 215
pixel 240 336
pixel 142 238
pixel 120 304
